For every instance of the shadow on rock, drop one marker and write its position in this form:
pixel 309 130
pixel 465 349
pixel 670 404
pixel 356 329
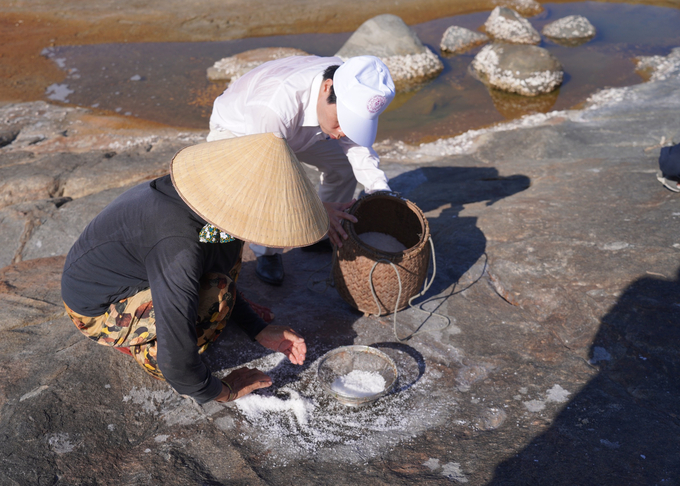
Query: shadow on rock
pixel 442 193
pixel 628 411
pixel 410 363
pixel 323 319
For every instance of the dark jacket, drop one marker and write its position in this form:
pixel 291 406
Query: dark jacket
pixel 148 238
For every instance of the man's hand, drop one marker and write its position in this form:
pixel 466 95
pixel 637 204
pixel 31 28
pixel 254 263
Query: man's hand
pixel 284 340
pixel 336 213
pixel 241 382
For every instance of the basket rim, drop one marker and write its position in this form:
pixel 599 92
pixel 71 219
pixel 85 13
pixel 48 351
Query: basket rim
pixel 381 254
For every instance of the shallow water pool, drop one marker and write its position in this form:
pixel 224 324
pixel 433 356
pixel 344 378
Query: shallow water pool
pixel 166 82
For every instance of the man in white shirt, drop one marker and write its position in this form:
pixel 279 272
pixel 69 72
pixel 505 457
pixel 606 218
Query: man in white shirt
pixel 328 112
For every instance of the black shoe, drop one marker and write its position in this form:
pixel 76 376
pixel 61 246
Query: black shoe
pixel 323 246
pixel 270 269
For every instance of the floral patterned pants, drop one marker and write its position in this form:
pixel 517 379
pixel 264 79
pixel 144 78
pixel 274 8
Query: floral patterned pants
pixel 130 325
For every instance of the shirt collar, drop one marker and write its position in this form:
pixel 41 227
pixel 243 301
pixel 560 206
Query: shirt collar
pixel 310 117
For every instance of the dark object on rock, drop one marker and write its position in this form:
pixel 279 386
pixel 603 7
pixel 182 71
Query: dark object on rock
pixel 270 269
pixel 669 165
pixel 669 161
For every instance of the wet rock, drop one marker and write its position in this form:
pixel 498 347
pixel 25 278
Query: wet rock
pixel 526 8
pixel 525 70
pixel 506 25
pixel 389 38
pixel 513 105
pixel 459 39
pixel 658 68
pixel 231 68
pixel 42 128
pixel 66 152
pixel 573 30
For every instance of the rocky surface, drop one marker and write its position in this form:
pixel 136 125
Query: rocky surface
pixel 387 36
pixel 62 165
pixel 521 69
pixel 557 265
pixel 572 30
pixel 659 68
pixel 231 68
pixel 506 25
pixel 459 39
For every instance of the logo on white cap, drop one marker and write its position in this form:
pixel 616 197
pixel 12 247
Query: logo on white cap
pixel 376 104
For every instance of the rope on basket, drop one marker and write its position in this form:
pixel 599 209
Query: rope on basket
pixel 410 301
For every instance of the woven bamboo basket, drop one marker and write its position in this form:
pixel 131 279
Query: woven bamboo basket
pixel 392 215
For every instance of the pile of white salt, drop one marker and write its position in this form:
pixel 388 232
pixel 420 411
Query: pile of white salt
pixel 382 242
pixel 359 384
pixel 253 406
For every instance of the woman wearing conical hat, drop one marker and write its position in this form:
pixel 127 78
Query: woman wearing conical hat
pixel 154 274
pixel 327 110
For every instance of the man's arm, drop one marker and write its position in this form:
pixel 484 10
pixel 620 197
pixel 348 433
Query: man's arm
pixel 366 166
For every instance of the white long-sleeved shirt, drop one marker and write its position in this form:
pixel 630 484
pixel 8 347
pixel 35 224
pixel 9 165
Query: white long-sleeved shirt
pixel 281 96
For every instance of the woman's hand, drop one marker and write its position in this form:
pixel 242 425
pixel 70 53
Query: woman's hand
pixel 284 340
pixel 336 213
pixel 241 382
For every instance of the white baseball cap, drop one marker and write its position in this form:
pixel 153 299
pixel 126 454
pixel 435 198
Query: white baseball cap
pixel 363 88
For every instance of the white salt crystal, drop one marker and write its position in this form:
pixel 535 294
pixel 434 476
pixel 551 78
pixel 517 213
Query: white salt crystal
pixel 359 384
pixel 382 242
pixel 254 406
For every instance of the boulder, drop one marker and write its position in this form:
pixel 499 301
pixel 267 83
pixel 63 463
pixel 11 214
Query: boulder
pixel 527 8
pixel 659 68
pixel 459 39
pixel 506 25
pixel 525 70
pixel 231 68
pixel 389 38
pixel 573 30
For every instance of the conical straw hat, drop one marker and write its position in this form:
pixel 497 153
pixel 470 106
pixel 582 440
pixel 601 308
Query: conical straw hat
pixel 253 188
